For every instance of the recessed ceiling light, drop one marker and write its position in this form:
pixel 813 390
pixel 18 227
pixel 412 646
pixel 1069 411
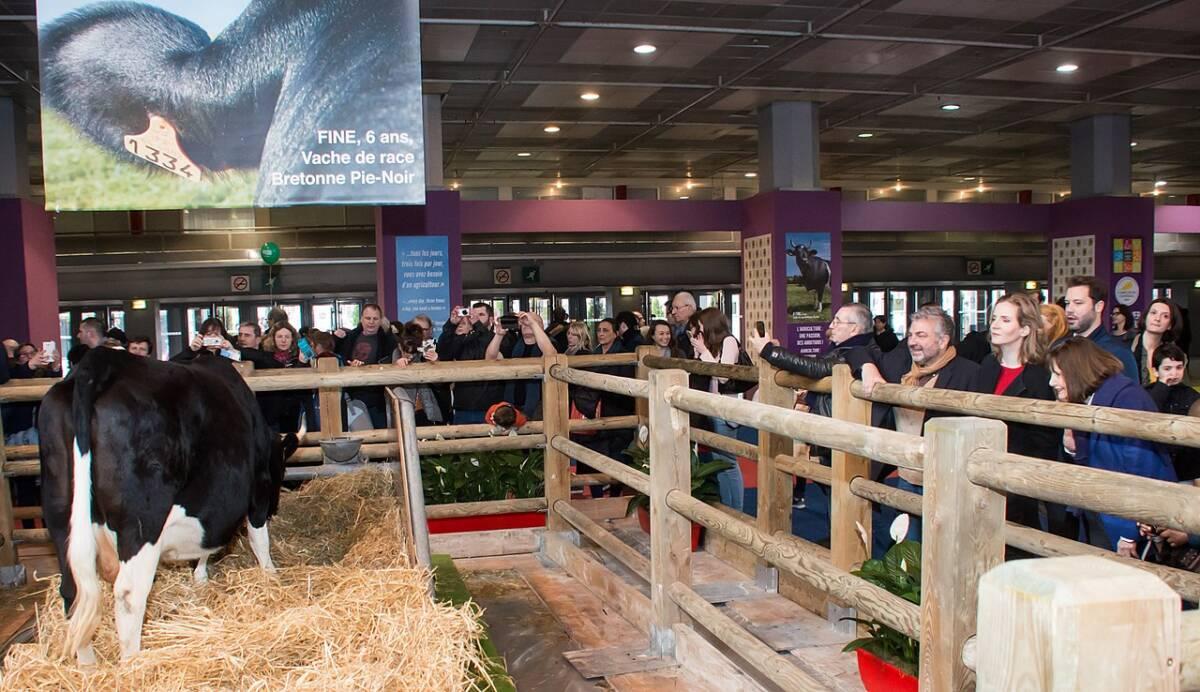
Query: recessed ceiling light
pixel 866 135
pixel 524 154
pixel 751 175
pixel 683 196
pixel 968 179
pixel 1160 183
pixel 550 128
pixel 950 106
pixel 1133 144
pixel 590 96
pixel 1067 68
pixel 644 49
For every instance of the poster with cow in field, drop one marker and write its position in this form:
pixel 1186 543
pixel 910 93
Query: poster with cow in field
pixel 809 276
pixel 170 104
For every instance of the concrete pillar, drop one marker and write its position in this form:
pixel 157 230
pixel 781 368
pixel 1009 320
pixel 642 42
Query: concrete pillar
pixel 14 150
pixel 1100 157
pixel 789 154
pixel 395 226
pixel 434 179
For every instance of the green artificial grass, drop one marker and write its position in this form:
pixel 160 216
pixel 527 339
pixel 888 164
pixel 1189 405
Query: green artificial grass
pixel 450 588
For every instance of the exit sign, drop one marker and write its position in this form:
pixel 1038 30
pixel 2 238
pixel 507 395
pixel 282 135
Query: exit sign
pixel 531 275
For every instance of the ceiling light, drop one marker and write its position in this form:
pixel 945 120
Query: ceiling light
pixel 1067 68
pixel 590 96
pixel 683 196
pixel 968 179
pixel 898 187
pixel 1031 285
pixel 981 188
pixel 689 185
pixel 751 175
pixel 524 154
pixel 950 106
pixel 453 186
pixel 866 135
pixel 644 49
pixel 1160 183
pixel 558 183
pixel 550 128
pixel 1133 144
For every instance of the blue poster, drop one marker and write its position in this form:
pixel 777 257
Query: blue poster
pixel 422 277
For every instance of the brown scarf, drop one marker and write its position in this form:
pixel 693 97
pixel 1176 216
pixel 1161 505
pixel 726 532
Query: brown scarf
pixel 919 373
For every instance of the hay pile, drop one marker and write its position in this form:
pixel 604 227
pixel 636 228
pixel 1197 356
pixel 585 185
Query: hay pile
pixel 342 612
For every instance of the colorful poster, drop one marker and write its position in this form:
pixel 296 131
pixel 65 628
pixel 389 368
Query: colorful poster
pixel 1127 255
pixel 170 104
pixel 422 277
pixel 809 289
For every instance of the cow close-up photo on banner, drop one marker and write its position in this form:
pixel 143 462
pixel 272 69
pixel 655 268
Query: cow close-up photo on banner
pixel 175 104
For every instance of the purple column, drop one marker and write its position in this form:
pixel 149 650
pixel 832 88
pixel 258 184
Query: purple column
pixel 28 273
pixel 439 216
pixel 1122 229
pixel 807 224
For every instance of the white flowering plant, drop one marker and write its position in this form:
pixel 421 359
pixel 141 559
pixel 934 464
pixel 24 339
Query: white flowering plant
pixel 899 572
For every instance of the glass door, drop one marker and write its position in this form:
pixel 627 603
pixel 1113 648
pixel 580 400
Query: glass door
pixel 322 316
pixel 656 305
pixel 897 312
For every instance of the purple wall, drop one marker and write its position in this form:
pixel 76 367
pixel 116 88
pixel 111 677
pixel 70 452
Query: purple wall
pixel 29 282
pixel 441 215
pixel 1176 219
pixel 925 216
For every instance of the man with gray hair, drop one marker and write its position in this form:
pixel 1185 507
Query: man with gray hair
pixel 926 359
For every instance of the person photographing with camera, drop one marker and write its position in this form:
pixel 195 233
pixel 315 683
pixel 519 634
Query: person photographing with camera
pixel 521 336
pixel 465 337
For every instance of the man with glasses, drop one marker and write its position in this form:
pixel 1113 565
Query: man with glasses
pixel 679 311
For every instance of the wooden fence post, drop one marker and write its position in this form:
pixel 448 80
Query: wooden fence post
pixel 849 514
pixel 774 486
pixel 963 538
pixel 556 416
pixel 642 406
pixel 1077 623
pixel 8 552
pixel 330 401
pixel 670 532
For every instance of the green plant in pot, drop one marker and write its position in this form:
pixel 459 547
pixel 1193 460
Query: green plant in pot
pixel 899 572
pixel 704 480
pixel 482 476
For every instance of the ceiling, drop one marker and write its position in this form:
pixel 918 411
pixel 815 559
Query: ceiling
pixel 508 68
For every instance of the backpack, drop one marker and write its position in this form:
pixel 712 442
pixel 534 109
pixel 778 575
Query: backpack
pixel 732 386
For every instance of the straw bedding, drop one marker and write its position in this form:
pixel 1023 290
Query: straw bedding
pixel 343 612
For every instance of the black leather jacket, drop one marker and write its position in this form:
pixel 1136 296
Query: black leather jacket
pixel 817 367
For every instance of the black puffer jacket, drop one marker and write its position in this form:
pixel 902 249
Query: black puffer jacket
pixel 472 396
pixel 817 367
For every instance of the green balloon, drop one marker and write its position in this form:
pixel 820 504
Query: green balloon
pixel 269 252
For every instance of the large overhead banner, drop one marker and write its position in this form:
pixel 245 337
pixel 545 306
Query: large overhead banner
pixel 230 103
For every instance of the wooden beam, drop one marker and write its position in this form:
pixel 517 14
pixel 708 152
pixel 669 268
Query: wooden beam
pixel 805 468
pixel 1189 677
pixel 626 386
pixel 483 509
pixel 329 401
pixel 725 443
pixel 789 555
pixel 849 515
pixel 745 373
pixel 616 660
pixel 613 591
pixel 624 474
pixel 779 669
pixel 774 511
pixel 706 661
pixel 670 533
pixel 793 381
pixel 963 538
pixel 887 446
pixel 1143 425
pixel 1158 503
pixel 485 543
pixel 1076 623
pixel 623 552
pixel 8 553
pixel 556 466
pixel 642 406
pixel 599 360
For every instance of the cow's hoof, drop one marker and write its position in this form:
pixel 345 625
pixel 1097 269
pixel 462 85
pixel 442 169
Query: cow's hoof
pixel 86 656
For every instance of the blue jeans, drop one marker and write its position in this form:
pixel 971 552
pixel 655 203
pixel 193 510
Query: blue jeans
pixel 28 436
pixel 730 482
pixel 914 525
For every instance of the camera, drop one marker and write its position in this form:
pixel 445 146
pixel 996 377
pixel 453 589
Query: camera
pixel 428 345
pixel 508 321
pixel 212 341
pixel 464 312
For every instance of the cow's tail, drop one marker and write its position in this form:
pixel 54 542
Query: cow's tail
pixel 91 377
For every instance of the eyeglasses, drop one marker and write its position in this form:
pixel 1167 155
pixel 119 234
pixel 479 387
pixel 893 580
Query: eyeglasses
pixel 834 321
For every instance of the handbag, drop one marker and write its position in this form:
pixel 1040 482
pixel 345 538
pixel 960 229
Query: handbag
pixel 732 386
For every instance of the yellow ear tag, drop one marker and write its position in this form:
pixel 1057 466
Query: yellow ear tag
pixel 159 145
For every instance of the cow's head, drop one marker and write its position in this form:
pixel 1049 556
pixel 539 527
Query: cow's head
pixel 282 448
pixel 794 250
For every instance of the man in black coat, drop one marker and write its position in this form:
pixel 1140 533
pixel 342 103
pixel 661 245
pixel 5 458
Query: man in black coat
pixel 466 337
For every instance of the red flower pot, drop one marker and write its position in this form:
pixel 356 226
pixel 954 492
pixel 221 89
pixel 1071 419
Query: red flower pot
pixel 492 522
pixel 643 515
pixel 880 676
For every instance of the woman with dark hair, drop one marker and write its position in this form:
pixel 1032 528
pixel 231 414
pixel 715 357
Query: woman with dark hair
pixel 367 344
pixel 1016 367
pixel 628 330
pixel 1161 324
pixel 661 337
pixel 279 350
pixel 211 337
pixel 712 342
pixel 411 348
pixel 1083 373
pixel 1122 324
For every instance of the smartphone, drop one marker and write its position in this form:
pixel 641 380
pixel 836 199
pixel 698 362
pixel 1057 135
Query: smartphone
pixel 305 348
pixel 212 341
pixel 428 345
pixel 508 321
pixel 761 328
pixel 464 312
pixel 49 346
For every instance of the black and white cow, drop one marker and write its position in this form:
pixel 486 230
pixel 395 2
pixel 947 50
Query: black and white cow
pixel 814 272
pixel 254 96
pixel 145 461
